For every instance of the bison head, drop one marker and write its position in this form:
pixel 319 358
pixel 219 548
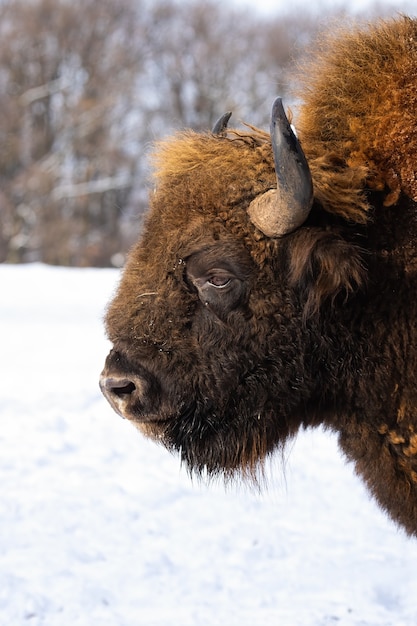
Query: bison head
pixel 211 353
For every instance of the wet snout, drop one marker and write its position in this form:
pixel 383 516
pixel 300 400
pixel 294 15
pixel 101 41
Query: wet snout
pixel 133 395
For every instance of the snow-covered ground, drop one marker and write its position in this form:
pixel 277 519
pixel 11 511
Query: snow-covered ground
pixel 100 527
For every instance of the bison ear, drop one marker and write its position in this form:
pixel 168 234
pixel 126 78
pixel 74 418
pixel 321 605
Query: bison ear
pixel 324 265
pixel 282 210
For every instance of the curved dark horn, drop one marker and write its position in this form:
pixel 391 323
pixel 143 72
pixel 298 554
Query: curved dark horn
pixel 282 210
pixel 220 126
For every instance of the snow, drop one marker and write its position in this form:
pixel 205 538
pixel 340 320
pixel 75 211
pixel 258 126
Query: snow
pixel 100 526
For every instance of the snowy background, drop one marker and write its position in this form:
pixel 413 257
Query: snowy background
pixel 100 527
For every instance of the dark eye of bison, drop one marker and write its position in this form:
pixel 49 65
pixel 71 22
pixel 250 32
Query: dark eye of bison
pixel 213 280
pixel 220 279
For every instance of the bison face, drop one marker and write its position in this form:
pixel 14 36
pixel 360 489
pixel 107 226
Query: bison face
pixel 170 331
pixel 210 355
pixel 194 362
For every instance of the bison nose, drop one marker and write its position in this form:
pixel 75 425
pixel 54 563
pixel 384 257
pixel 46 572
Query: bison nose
pixel 126 395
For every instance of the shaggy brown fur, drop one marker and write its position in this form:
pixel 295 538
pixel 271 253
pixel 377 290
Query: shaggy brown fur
pixel 359 110
pixel 226 342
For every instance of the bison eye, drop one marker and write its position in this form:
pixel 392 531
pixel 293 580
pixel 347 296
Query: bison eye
pixel 220 276
pixel 219 281
pixel 220 292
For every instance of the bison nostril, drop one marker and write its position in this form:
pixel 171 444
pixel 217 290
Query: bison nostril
pixel 124 390
pixel 118 386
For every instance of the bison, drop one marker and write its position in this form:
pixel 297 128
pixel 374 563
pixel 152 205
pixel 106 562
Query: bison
pixel 274 286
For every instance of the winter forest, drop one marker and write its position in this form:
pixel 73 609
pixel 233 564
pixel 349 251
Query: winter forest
pixel 85 88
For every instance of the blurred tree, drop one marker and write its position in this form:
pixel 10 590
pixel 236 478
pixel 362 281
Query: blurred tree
pixel 66 93
pixel 207 58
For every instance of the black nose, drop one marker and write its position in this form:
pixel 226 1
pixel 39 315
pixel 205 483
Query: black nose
pixel 127 396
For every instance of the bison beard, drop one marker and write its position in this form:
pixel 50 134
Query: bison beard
pixel 238 440
pixel 212 447
pixel 251 307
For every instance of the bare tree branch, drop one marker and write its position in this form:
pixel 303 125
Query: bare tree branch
pixel 94 186
pixel 42 91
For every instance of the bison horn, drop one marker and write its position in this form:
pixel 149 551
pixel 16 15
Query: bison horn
pixel 280 211
pixel 220 126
